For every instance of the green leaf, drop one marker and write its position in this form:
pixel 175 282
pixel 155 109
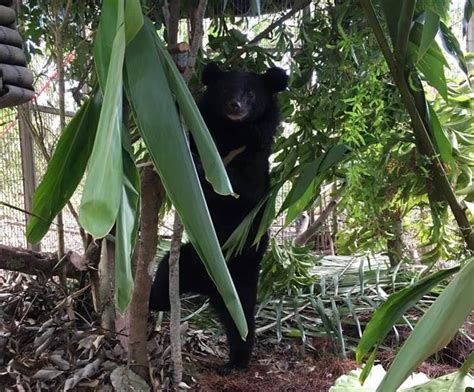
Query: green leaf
pixel 104 39
pixel 310 170
pixel 436 328
pixel 442 142
pixel 210 159
pixel 267 217
pixel 103 187
pixel 66 168
pixel 392 310
pixel 155 112
pixel 451 44
pixel 430 29
pixel 392 10
pixel 468 364
pixel 403 30
pixel 127 227
pixel 440 7
pixel 301 204
pixel 431 66
pixel 133 18
pixel 454 382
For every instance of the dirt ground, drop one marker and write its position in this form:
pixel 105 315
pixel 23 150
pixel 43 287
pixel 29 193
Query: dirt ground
pixel 48 343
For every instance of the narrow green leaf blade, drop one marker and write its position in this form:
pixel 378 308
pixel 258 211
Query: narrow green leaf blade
pixel 451 44
pixel 435 329
pixel 158 122
pixel 133 18
pixel 210 158
pixel 442 142
pixel 66 168
pixel 392 10
pixel 432 68
pixel 104 39
pixel 103 187
pixel 308 172
pixel 392 310
pixel 430 29
pixel 126 227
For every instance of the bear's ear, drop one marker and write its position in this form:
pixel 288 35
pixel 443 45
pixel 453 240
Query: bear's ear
pixel 276 79
pixel 211 73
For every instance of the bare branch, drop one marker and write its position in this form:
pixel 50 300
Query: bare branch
pixel 304 237
pixel 36 263
pixel 196 39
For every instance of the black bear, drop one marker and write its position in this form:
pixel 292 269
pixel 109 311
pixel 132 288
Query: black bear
pixel 240 109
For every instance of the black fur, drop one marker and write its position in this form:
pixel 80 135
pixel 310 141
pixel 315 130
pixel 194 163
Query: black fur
pixel 249 99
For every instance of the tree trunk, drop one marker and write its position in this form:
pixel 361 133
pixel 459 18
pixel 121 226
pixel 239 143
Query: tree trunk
pixel 395 245
pixel 152 196
pixel 304 237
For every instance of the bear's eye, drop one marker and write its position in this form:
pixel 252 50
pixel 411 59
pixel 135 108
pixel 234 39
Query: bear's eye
pixel 251 94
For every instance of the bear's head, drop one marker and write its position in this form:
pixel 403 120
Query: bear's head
pixel 242 96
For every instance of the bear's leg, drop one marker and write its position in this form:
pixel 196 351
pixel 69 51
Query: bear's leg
pixel 240 350
pixel 192 278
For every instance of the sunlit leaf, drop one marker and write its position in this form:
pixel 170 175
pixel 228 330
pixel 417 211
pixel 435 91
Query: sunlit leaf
pixel 430 29
pixel 451 44
pixel 436 328
pixel 392 310
pixel 432 69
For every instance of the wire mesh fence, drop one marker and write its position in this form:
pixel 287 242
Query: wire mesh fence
pixel 13 211
pixel 12 221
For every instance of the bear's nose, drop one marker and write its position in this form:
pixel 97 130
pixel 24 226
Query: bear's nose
pixel 235 105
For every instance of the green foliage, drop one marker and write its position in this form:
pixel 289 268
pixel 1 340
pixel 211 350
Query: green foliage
pixel 436 328
pixel 43 22
pixel 418 382
pixel 154 109
pixel 391 311
pixel 102 193
pixel 65 170
pixel 326 296
pixel 111 193
pixel 286 269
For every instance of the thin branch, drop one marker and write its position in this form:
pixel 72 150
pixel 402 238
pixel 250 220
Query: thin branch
pixel 196 39
pixel 173 22
pixel 175 303
pixel 66 15
pixel 295 9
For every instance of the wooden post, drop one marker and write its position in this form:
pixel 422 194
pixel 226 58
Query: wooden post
pixel 470 36
pixel 27 163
